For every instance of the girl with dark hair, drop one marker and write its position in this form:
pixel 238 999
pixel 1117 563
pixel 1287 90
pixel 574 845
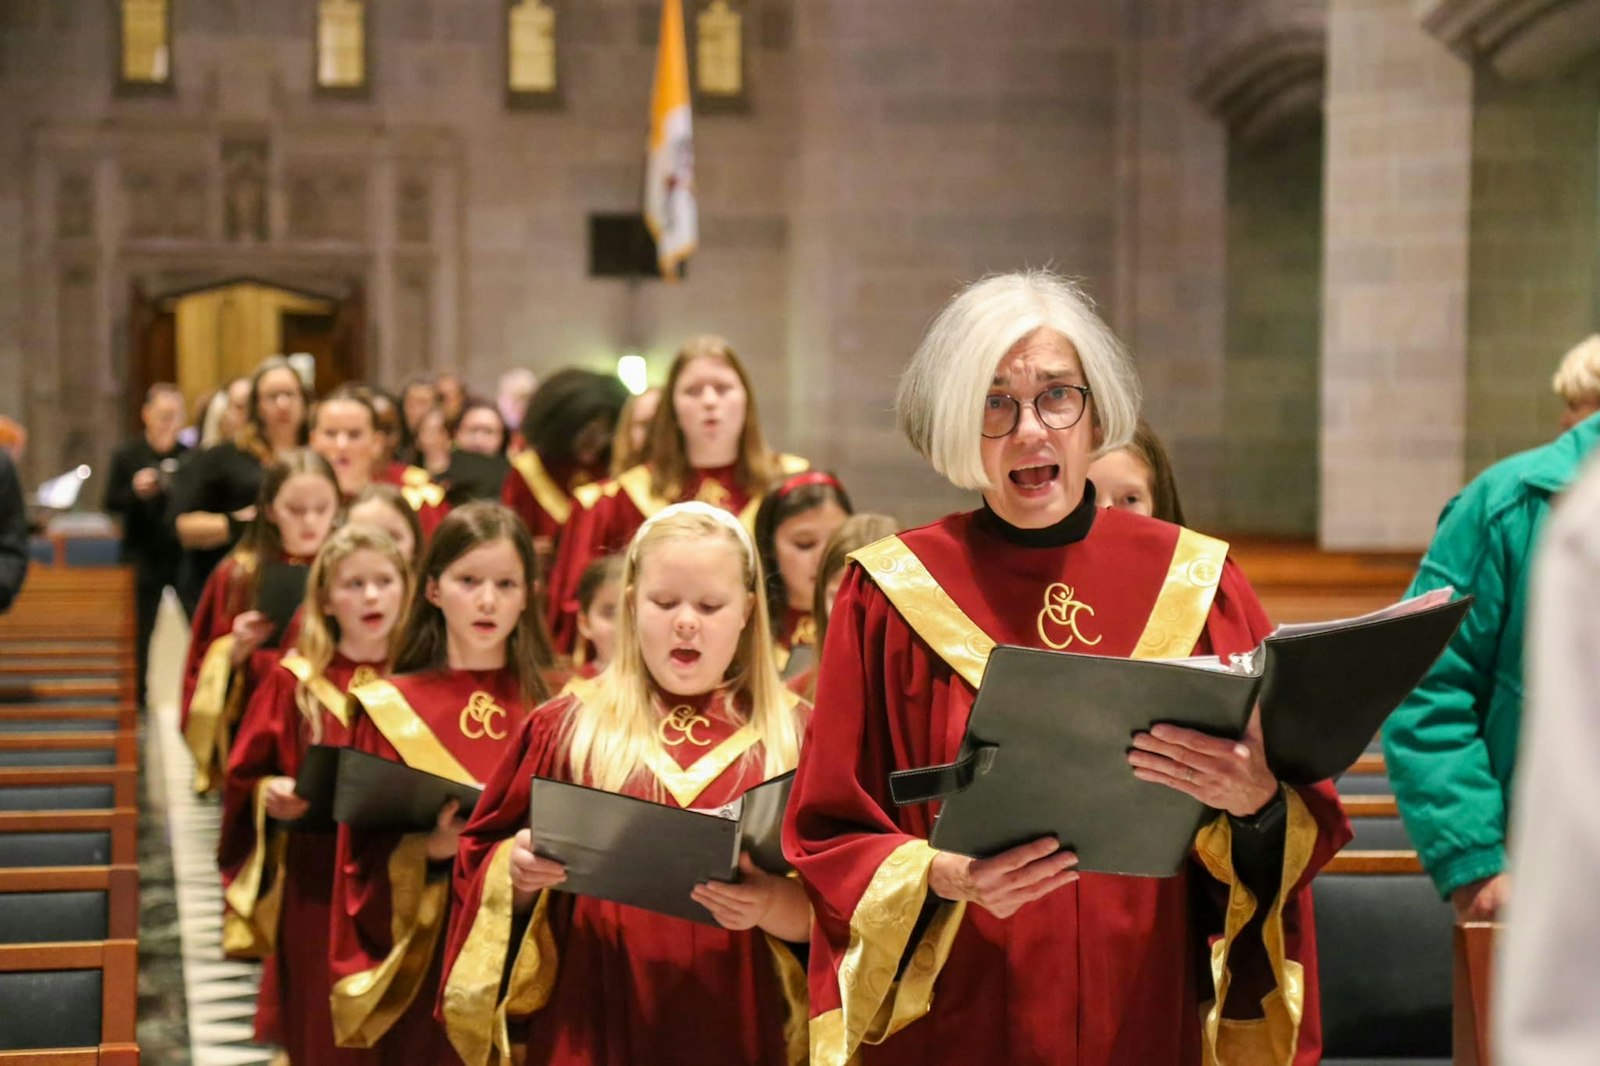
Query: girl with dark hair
pixel 471 661
pixel 1138 477
pixel 479 428
pixel 277 883
pixel 295 511
pixel 705 444
pixel 567 427
pixel 858 531
pixel 792 526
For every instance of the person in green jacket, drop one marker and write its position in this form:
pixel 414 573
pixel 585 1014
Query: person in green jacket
pixel 1451 747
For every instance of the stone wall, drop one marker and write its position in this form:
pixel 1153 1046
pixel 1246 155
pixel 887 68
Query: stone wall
pixel 1535 262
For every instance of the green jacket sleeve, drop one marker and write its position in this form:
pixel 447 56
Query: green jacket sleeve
pixel 1452 803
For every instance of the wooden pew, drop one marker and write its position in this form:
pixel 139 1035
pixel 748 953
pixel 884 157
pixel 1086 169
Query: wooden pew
pixel 69 1004
pixel 69 838
pixel 33 899
pixel 120 784
pixel 123 744
pixel 95 717
pixel 1474 967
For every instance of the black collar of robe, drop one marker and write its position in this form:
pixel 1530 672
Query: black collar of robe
pixel 1069 530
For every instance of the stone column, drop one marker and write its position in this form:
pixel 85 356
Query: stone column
pixel 1394 346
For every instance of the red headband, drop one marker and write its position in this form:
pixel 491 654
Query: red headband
pixel 809 477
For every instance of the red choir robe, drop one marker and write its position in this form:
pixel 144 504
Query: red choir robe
pixel 595 983
pixel 1104 972
pixel 278 884
pixel 420 491
pixel 610 512
pixel 797 628
pixel 214 693
pixel 541 494
pixel 391 905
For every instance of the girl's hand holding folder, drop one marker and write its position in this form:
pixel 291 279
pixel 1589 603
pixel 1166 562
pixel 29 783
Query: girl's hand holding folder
pixel 778 905
pixel 531 874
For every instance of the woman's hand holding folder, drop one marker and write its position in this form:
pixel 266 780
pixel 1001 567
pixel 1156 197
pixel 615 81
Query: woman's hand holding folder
pixel 1228 775
pixel 777 904
pixel 1002 883
pixel 531 874
pixel 281 801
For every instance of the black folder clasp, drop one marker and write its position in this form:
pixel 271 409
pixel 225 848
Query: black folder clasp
pixel 937 782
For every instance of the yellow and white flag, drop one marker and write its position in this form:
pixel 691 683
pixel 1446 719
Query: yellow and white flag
pixel 669 208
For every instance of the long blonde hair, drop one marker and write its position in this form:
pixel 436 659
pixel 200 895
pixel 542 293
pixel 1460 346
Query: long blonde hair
pixel 319 635
pixel 609 734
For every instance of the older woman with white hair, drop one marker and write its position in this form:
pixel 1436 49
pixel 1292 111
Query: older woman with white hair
pixel 1577 381
pixel 923 956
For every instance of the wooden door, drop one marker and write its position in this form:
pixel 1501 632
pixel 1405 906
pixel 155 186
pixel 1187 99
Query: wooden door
pixel 335 339
pixel 152 350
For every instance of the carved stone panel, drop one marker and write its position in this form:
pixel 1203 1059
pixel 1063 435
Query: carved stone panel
pixel 164 202
pixel 413 303
pixel 326 204
pixel 75 206
pixel 414 211
pixel 244 199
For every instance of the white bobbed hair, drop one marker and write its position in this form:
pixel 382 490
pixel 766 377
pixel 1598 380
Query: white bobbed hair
pixel 940 404
pixel 1577 379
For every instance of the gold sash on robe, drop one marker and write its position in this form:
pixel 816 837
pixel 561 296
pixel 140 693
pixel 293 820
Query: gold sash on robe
pixel 546 493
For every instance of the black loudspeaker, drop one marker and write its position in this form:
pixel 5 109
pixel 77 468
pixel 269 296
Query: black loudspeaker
pixel 621 246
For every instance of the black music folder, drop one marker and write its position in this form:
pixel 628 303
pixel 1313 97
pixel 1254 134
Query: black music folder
pixel 315 783
pixel 472 476
pixel 649 855
pixel 385 796
pixel 280 593
pixel 1045 751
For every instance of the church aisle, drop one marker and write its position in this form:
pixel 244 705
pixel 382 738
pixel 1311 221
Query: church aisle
pixel 218 995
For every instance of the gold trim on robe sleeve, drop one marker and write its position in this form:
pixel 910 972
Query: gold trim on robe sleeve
pixel 210 711
pixel 927 608
pixel 405 730
pixel 366 1004
pixel 796 997
pixel 542 486
pixel 476 1014
pixel 875 1004
pixel 1179 615
pixel 250 921
pixel 1272 1039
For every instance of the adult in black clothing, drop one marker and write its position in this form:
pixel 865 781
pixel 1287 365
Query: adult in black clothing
pixel 13 533
pixel 213 500
pixel 141 474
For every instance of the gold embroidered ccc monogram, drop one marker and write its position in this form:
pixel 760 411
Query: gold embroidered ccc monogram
pixel 712 492
pixel 1060 612
pixel 679 725
pixel 364 675
pixel 479 718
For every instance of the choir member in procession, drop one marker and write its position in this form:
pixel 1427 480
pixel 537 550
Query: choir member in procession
pixel 599 599
pixel 857 531
pixel 295 510
pixel 705 444
pixel 278 883
pixel 344 431
pixel 629 444
pixel 473 659
pixel 451 393
pixel 792 525
pixel 480 429
pixel 433 443
pixel 417 398
pixel 211 500
pixel 512 394
pixel 1138 477
pixel 384 507
pixel 568 428
pixel 925 956
pixel 691 714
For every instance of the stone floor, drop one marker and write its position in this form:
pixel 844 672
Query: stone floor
pixel 195 1007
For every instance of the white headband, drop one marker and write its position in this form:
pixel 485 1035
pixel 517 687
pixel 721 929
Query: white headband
pixel 705 510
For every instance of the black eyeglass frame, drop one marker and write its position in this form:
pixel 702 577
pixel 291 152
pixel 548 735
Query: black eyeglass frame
pixel 1084 391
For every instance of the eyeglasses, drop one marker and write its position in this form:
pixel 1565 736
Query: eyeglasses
pixel 1058 407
